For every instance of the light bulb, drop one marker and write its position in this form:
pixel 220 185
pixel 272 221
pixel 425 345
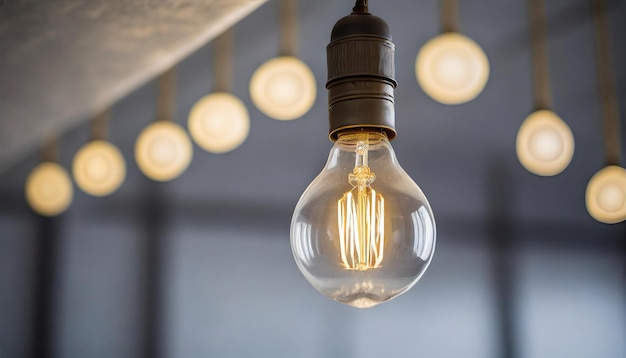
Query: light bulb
pixel 283 88
pixel 49 189
pixel 163 151
pixel 363 232
pixel 451 68
pixel 606 195
pixel 219 122
pixel 545 144
pixel 99 168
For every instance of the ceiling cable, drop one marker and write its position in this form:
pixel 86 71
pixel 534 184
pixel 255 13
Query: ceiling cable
pixel 288 27
pixel 100 125
pixel 360 6
pixel 50 149
pixel 166 95
pixel 222 62
pixel 606 84
pixel 449 16
pixel 539 54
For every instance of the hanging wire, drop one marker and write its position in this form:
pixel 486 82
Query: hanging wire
pixel 50 149
pixel 539 54
pixel 449 16
pixel 288 27
pixel 100 125
pixel 166 95
pixel 360 6
pixel 606 84
pixel 222 62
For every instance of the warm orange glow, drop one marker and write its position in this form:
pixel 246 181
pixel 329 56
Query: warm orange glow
pixel 283 88
pixel 361 217
pixel 49 189
pixel 452 69
pixel 545 144
pixel 219 122
pixel 606 195
pixel 163 151
pixel 99 168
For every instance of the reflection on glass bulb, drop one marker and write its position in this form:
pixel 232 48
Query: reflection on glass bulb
pixel 219 122
pixel 606 195
pixel 451 68
pixel 163 151
pixel 363 232
pixel 545 144
pixel 49 189
pixel 99 168
pixel 283 88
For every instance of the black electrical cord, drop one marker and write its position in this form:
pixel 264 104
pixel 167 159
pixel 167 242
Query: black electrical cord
pixel 360 6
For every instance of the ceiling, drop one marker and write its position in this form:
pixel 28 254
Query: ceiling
pixel 463 157
pixel 65 60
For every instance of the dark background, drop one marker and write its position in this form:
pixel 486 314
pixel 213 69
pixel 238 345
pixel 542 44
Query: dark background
pixel 201 266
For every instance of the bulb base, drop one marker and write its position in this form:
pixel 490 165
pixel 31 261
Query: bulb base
pixel 361 74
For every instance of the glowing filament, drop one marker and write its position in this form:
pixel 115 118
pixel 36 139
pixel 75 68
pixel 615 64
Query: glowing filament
pixel 361 217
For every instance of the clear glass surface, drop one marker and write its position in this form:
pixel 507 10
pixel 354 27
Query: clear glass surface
pixel 363 232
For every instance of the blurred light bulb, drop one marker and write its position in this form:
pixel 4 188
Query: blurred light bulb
pixel 451 68
pixel 99 168
pixel 49 189
pixel 283 88
pixel 545 144
pixel 363 232
pixel 606 195
pixel 163 151
pixel 219 122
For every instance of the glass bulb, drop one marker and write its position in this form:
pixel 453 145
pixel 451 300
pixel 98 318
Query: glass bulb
pixel 219 122
pixel 99 168
pixel 545 143
pixel 363 232
pixel 606 195
pixel 49 189
pixel 163 151
pixel 451 68
pixel 283 88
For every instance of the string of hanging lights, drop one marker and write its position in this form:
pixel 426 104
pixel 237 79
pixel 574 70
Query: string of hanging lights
pixel 450 68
